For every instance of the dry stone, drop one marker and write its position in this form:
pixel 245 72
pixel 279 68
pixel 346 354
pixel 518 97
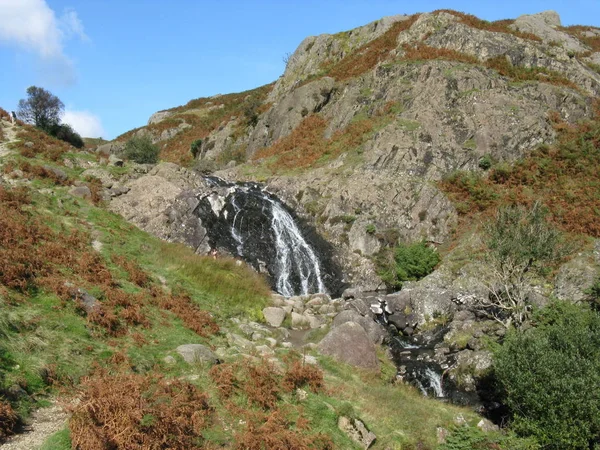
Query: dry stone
pixel 196 353
pixel 274 316
pixel 350 343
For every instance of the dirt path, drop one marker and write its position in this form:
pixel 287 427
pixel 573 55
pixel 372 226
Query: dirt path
pixel 44 423
pixel 10 136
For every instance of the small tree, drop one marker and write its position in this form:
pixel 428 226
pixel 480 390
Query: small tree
pixel 519 240
pixel 550 376
pixel 141 150
pixel 42 108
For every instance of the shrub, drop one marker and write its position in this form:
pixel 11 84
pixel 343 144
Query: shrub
pixel 195 147
pixel 66 133
pixel 469 438
pixel 8 420
pixel 141 150
pixel 485 162
pixel 407 262
pixel 519 240
pixel 593 294
pixel 133 411
pixel 550 377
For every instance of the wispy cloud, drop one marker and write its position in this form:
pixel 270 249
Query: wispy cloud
pixel 84 122
pixel 32 25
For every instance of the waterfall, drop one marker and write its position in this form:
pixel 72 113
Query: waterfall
pixel 293 253
pixel 253 224
pixel 435 382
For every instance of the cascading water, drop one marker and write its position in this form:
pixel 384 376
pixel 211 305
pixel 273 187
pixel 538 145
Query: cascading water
pixel 293 254
pixel 251 223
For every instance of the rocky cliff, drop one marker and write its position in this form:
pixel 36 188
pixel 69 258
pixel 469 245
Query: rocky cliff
pixel 363 124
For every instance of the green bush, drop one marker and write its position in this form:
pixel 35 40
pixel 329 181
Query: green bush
pixel 485 162
pixel 65 133
pixel 141 150
pixel 521 245
pixel 550 376
pixel 469 438
pixel 195 147
pixel 406 262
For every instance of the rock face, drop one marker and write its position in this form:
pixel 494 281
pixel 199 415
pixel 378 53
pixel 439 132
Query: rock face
pixel 350 343
pixel 440 116
pixel 421 120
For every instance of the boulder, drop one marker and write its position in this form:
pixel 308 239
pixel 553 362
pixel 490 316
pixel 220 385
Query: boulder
pixel 274 316
pixel 349 343
pixel 299 322
pixel 81 191
pixel 196 353
pixel 375 331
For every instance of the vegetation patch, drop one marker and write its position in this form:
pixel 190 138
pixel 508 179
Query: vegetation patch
pixel 517 73
pixel 215 111
pixel 547 374
pixel 370 54
pixel 498 26
pixel 406 262
pixel 134 411
pixel 565 177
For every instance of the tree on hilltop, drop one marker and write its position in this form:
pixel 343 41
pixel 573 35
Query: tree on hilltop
pixel 42 108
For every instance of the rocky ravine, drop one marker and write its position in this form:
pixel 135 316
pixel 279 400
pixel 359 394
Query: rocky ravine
pixel 431 117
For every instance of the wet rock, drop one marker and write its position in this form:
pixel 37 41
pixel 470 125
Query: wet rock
pixel 350 343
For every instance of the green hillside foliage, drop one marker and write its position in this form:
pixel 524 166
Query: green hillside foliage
pixel 550 375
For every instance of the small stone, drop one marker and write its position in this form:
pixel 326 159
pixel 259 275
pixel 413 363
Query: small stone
pixel 487 426
pixel 271 342
pixel 196 353
pixel 81 191
pixel 309 359
pixel 257 336
pixel 169 360
pixel 287 344
pixel 301 394
pixel 442 434
pixel 264 350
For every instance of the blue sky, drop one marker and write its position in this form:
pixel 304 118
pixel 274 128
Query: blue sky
pixel 114 63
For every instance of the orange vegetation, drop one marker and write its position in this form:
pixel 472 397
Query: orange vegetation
pixel 565 177
pixel 369 55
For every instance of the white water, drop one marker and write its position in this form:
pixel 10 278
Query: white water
pixel 295 261
pixel 234 232
pixel 435 381
pixel 293 252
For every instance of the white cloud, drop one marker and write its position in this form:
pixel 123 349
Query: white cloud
pixel 85 123
pixel 32 25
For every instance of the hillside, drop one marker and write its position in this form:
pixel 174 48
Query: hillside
pixel 422 96
pixel 452 160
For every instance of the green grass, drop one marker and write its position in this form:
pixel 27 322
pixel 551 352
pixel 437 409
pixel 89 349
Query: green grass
pixel 60 440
